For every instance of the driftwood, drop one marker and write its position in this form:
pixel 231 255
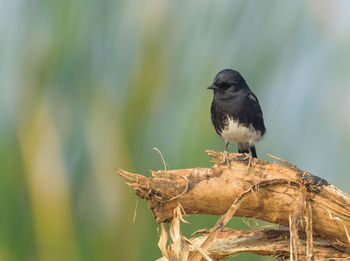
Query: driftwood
pixel 317 213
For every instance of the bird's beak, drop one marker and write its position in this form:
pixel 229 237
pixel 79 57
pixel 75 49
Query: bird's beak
pixel 211 87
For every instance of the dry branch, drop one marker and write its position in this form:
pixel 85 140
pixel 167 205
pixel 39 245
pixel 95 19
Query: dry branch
pixel 268 242
pixel 269 192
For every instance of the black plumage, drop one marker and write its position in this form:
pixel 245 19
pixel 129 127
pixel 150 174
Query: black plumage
pixel 235 112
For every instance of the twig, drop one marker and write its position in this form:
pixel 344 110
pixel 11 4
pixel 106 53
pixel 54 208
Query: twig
pixel 161 155
pixel 135 211
pixel 309 232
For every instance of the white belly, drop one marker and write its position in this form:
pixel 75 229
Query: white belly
pixel 233 132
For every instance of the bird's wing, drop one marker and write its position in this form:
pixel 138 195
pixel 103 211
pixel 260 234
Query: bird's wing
pixel 252 113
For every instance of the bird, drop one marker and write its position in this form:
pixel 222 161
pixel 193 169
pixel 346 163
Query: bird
pixel 236 113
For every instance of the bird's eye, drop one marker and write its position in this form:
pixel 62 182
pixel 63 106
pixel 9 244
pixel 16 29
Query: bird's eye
pixel 225 85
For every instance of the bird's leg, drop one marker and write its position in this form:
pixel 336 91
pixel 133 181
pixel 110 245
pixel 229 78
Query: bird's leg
pixel 225 153
pixel 250 159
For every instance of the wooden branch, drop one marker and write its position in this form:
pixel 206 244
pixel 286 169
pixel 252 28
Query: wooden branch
pixel 269 192
pixel 268 242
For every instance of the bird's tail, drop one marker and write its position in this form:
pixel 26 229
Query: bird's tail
pixel 245 148
pixel 252 149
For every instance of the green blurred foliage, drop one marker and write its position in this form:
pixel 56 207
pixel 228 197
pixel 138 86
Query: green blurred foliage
pixel 86 86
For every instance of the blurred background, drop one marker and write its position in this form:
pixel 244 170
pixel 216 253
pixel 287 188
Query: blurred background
pixel 87 86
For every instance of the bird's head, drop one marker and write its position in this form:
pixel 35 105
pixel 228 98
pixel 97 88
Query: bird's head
pixel 227 82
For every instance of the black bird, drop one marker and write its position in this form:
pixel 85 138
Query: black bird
pixel 236 113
